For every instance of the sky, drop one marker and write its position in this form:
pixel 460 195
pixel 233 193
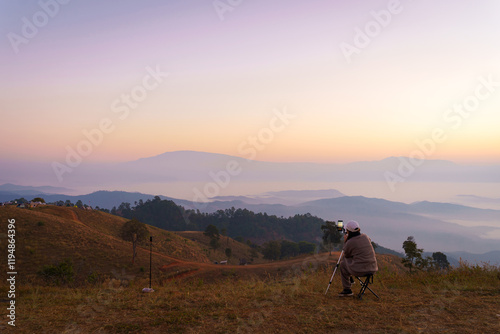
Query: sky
pixel 314 81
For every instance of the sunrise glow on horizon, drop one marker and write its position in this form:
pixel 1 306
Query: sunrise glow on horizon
pixel 154 77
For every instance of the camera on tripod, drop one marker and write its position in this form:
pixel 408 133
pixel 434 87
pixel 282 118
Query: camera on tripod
pixel 340 226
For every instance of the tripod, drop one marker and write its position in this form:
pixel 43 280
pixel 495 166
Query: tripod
pixel 335 270
pixel 150 257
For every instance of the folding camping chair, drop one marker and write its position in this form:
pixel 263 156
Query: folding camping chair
pixel 364 285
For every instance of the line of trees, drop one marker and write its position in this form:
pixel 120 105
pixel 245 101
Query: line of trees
pixel 414 259
pixel 235 222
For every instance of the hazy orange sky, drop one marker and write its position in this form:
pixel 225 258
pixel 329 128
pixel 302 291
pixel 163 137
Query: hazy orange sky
pixel 166 76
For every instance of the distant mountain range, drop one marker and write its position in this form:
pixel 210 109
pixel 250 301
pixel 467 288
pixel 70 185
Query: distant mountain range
pixel 178 173
pixel 492 258
pixel 103 199
pixel 388 223
pixel 286 197
pixel 477 201
pixel 9 188
pixel 436 226
pixel 192 166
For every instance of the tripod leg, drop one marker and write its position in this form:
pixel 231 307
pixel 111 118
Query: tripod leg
pixel 331 279
pixel 334 271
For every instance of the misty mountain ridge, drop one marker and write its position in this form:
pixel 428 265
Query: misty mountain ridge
pixel 178 173
pixel 286 197
pixel 436 226
pixel 477 201
pixel 189 155
pixel 493 258
pixel 29 190
pixel 388 223
pixel 191 166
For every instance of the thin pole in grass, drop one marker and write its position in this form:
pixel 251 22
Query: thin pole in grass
pixel 150 258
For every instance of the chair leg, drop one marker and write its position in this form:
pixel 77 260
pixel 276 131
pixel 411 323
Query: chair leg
pixel 364 286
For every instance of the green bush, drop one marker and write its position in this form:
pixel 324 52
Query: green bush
pixel 60 273
pixel 93 278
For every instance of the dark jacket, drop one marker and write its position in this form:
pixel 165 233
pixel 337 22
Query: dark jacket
pixel 359 254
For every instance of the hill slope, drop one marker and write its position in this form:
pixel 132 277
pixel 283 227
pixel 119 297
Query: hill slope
pixel 49 234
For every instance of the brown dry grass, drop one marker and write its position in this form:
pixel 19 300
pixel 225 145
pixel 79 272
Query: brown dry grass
pixel 465 300
pixel 199 297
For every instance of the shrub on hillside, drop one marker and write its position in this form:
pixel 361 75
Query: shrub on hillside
pixel 60 273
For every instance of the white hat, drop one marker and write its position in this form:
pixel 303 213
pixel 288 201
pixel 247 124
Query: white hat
pixel 352 226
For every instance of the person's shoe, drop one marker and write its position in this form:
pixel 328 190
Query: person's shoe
pixel 351 280
pixel 345 293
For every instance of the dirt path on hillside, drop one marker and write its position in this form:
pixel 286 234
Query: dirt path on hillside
pixel 284 269
pixel 75 216
pixel 295 266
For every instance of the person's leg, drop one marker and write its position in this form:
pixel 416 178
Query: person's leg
pixel 344 273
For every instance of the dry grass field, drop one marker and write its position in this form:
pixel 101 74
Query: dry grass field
pixel 192 295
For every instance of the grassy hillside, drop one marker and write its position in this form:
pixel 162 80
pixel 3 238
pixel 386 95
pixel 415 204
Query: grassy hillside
pixel 91 239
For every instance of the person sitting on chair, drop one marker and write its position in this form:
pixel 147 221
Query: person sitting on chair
pixel 359 257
